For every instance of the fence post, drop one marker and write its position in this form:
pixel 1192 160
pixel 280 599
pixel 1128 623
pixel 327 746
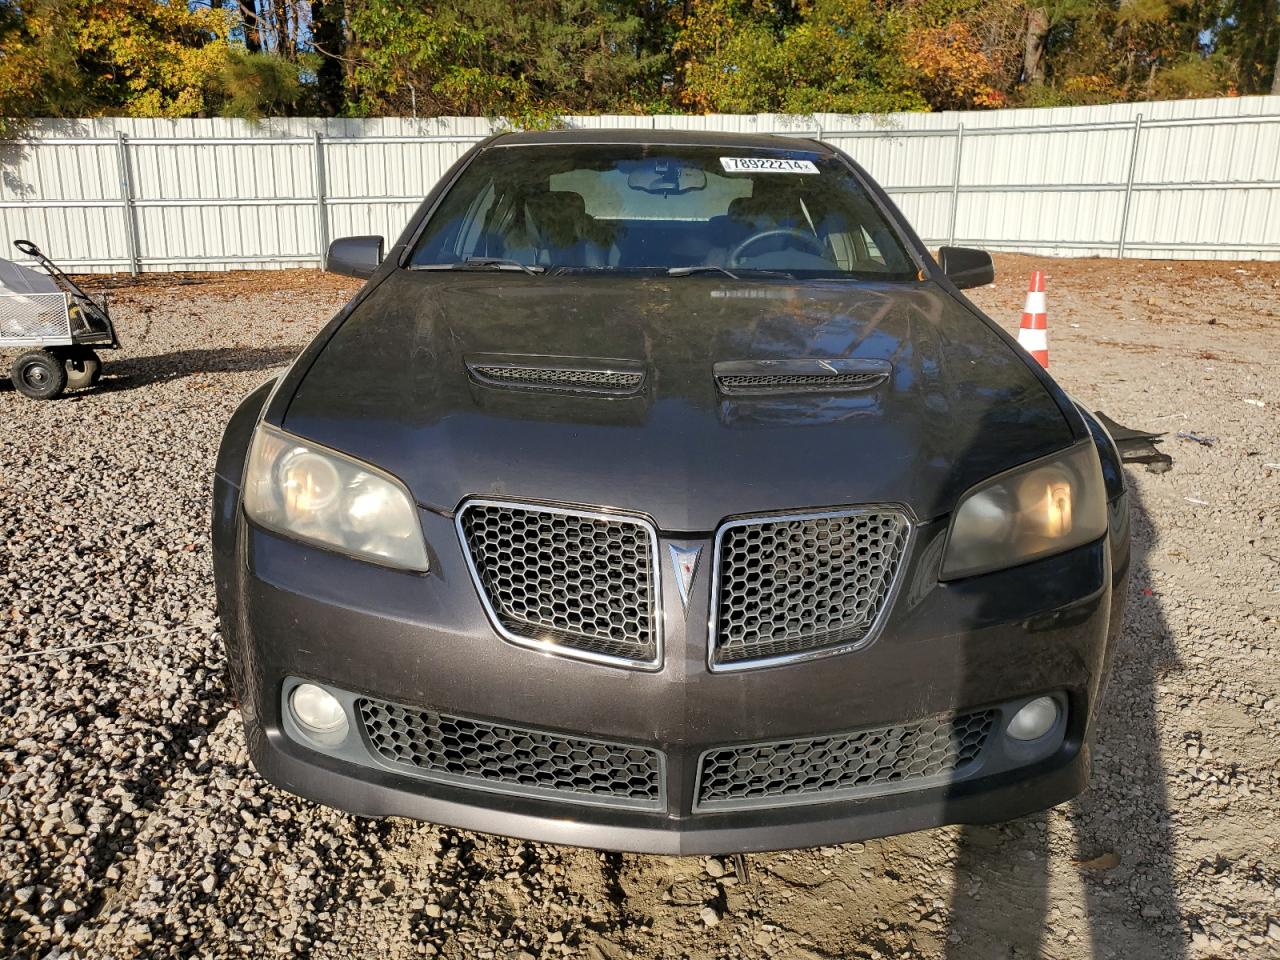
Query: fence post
pixel 322 209
pixel 955 185
pixel 1128 186
pixel 126 197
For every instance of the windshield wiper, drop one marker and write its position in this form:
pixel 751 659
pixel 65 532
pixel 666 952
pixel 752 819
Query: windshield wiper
pixel 483 263
pixel 710 267
pixel 704 268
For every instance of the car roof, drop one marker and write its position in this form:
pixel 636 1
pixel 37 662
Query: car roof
pixel 664 137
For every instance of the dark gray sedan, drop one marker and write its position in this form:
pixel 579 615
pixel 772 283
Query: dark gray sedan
pixel 660 492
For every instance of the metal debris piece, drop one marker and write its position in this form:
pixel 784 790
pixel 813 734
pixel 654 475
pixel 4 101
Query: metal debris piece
pixel 1196 438
pixel 1137 446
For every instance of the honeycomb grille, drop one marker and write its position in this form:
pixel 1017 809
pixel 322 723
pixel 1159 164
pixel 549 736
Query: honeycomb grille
pixel 791 586
pixel 798 383
pixel 511 759
pixel 829 768
pixel 595 381
pixel 580 582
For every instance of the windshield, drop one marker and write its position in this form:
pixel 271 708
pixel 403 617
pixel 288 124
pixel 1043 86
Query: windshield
pixel 619 207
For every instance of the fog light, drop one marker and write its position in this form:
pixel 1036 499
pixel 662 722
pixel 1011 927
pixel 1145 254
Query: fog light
pixel 1034 720
pixel 318 713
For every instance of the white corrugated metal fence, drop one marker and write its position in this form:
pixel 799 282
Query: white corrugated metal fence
pixel 1178 179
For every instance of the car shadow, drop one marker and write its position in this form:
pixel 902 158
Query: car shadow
pixel 130 373
pixel 1007 902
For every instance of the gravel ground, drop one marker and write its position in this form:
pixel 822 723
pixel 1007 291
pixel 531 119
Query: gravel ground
pixel 131 824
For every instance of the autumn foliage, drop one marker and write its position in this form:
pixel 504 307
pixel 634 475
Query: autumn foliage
pixel 531 60
pixel 953 70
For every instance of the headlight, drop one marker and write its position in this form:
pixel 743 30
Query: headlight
pixel 323 497
pixel 1034 511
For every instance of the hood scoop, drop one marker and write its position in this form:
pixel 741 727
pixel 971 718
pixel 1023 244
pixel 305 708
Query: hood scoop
pixel 760 378
pixel 591 375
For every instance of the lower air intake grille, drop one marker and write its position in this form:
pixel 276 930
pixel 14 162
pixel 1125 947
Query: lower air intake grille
pixel 790 586
pixel 840 766
pixel 490 756
pixel 581 584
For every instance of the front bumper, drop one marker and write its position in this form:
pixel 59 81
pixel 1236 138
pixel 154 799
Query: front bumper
pixel 371 792
pixel 292 611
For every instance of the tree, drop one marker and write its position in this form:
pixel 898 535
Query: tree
pixel 249 25
pixel 954 72
pixel 1246 33
pixel 65 58
pixel 527 61
pixel 1275 81
pixel 140 57
pixel 328 40
pixel 254 85
pixel 534 59
pixel 1037 34
pixel 836 56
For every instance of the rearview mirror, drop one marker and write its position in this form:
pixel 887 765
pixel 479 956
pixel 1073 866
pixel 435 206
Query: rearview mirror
pixel 666 177
pixel 354 256
pixel 966 267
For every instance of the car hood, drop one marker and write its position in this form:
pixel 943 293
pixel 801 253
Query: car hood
pixel 392 387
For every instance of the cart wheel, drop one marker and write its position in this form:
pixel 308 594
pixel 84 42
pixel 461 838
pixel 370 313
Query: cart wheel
pixel 39 374
pixel 84 368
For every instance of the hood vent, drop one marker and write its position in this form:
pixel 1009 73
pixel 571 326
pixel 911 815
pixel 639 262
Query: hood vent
pixel 755 378
pixel 561 374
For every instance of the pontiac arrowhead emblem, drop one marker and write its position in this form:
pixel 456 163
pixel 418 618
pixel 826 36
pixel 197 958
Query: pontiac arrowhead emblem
pixel 685 562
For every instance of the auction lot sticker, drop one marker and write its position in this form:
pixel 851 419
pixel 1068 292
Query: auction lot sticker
pixel 766 165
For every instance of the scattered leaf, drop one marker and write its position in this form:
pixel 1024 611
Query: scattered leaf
pixel 1107 861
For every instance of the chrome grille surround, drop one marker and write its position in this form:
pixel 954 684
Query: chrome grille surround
pixel 508 759
pixel 840 766
pixel 577 583
pixel 801 586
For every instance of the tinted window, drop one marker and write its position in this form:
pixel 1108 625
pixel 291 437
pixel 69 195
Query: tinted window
pixel 628 207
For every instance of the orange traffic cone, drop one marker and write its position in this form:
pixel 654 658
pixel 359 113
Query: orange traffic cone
pixel 1033 332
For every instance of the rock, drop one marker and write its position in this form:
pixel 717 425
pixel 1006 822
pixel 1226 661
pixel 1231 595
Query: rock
pixel 715 868
pixel 686 894
pixel 710 916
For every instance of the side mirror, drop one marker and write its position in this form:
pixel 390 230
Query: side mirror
pixel 966 267
pixel 354 256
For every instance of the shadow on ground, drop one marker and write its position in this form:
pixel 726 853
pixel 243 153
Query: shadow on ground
pixel 1002 903
pixel 130 373
pixel 133 372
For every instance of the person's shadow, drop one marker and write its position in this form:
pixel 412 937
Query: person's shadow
pixel 1008 902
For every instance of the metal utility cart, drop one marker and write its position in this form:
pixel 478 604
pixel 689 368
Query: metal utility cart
pixel 57 325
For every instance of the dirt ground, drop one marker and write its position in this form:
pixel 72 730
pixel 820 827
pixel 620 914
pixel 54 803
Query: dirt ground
pixel 132 826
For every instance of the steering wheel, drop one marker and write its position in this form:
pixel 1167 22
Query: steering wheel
pixel 807 239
